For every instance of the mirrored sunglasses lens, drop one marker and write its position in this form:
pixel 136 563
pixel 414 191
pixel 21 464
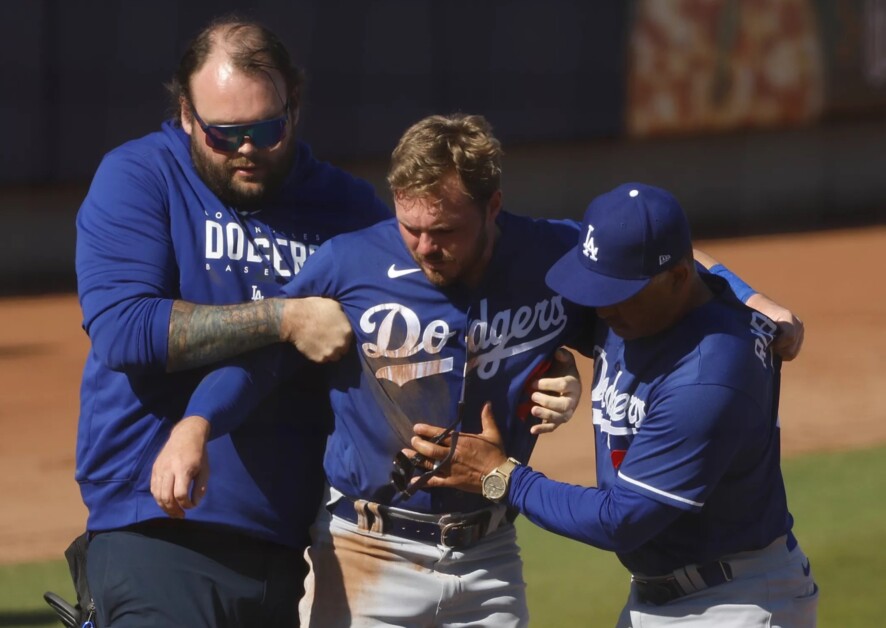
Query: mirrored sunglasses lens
pixel 402 472
pixel 266 134
pixel 399 480
pixel 224 139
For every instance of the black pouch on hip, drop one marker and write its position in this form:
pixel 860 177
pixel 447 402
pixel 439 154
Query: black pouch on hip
pixel 81 615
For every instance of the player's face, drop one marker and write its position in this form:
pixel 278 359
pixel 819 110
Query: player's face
pixel 246 175
pixel 649 311
pixel 449 235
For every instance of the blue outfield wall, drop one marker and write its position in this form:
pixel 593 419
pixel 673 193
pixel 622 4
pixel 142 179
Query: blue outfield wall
pixel 89 75
pixel 562 82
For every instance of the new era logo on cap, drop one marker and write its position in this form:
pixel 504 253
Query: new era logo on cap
pixel 628 235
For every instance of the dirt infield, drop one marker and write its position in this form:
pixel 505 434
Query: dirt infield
pixel 833 280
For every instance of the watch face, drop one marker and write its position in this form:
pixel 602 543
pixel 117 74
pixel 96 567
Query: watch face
pixel 494 486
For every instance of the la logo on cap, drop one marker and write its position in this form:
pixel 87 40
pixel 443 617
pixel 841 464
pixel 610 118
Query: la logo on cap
pixel 644 232
pixel 589 249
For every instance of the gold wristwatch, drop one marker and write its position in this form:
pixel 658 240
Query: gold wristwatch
pixel 495 483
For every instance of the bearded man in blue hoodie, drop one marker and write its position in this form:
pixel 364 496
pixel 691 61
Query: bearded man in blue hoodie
pixel 182 240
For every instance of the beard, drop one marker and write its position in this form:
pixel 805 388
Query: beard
pixel 219 177
pixel 464 268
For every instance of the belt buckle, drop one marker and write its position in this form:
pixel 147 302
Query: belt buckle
pixel 459 532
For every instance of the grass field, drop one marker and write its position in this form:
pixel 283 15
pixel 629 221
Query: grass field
pixel 840 520
pixel 837 501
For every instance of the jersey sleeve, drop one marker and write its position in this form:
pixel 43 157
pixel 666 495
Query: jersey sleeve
pixel 614 519
pixel 686 443
pixel 229 393
pixel 317 277
pixel 126 271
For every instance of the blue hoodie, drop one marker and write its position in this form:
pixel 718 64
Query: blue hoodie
pixel 150 232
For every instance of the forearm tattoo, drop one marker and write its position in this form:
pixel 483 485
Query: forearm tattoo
pixel 203 334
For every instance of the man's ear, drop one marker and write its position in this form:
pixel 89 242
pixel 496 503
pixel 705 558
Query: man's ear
pixel 184 114
pixel 680 273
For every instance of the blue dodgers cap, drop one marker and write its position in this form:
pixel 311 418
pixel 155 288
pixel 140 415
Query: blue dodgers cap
pixel 628 236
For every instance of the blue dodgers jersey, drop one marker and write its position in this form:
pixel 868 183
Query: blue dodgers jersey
pixel 148 232
pixel 418 348
pixel 689 418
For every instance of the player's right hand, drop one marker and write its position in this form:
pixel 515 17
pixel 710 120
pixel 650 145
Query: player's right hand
pixel 317 327
pixel 181 471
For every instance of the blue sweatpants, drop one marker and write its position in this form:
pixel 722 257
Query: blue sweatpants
pixel 180 573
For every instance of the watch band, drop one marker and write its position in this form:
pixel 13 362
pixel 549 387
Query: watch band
pixel 495 484
pixel 507 467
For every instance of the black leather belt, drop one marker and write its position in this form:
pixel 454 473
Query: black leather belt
pixel 450 530
pixel 663 589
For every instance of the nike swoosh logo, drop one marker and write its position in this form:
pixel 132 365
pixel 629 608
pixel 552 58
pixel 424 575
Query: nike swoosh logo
pixel 393 272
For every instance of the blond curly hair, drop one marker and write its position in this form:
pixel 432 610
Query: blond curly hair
pixel 437 146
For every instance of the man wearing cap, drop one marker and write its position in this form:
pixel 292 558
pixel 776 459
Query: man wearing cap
pixel 685 410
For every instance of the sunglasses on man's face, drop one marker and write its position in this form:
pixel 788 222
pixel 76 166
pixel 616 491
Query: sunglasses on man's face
pixel 230 137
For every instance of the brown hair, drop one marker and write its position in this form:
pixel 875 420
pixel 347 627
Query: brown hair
pixel 439 145
pixel 251 47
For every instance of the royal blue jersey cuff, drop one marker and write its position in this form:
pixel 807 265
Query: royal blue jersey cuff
pixel 742 290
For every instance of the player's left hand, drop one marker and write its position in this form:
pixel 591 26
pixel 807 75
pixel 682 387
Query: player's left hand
pixel 791 328
pixel 475 454
pixel 557 395
pixel 181 471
